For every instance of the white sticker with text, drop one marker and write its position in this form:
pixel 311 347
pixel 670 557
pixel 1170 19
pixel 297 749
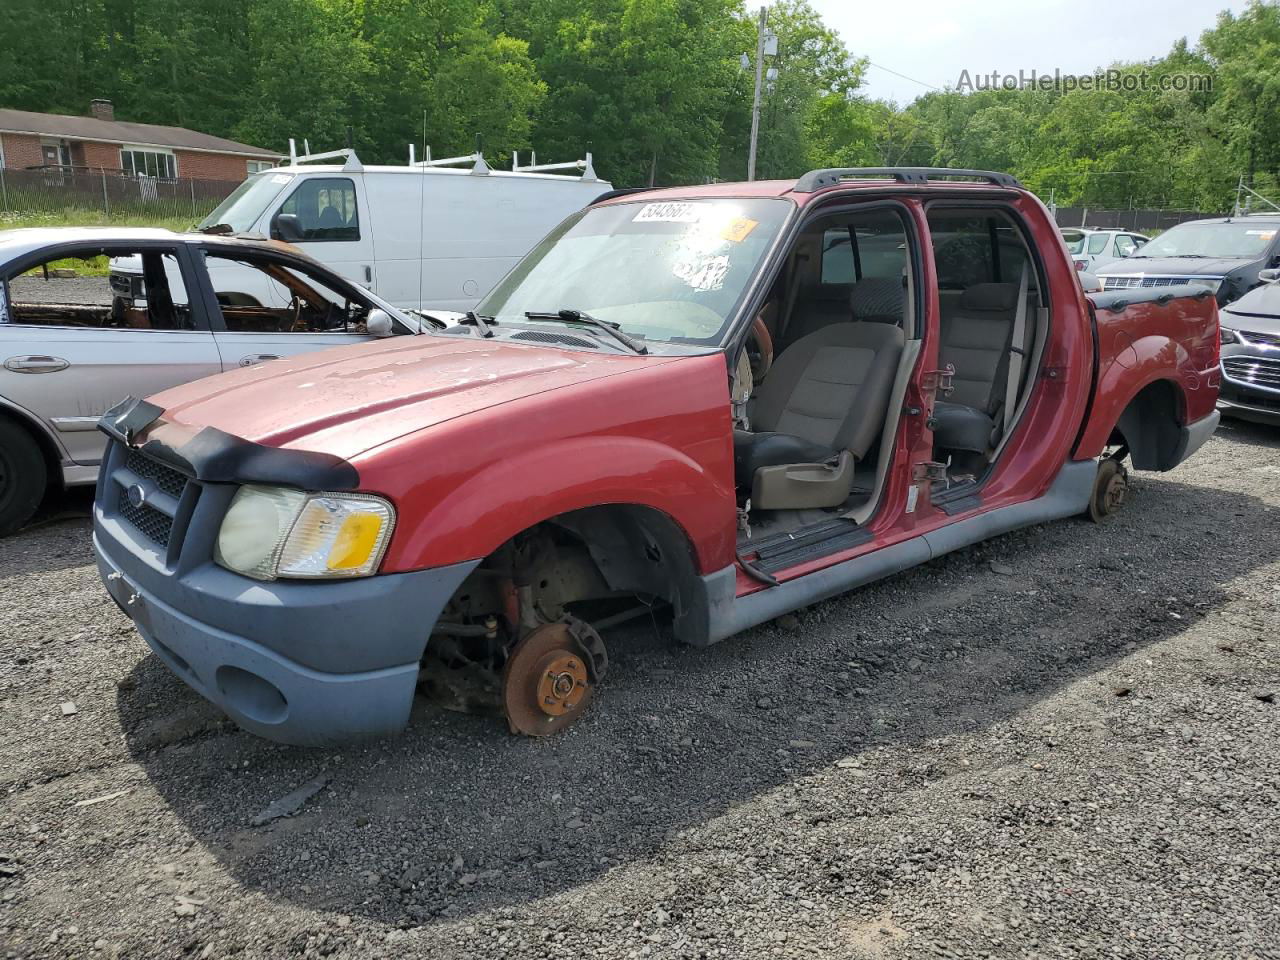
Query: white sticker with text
pixel 671 212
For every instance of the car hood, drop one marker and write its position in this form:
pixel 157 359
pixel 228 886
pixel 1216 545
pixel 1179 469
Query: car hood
pixel 348 400
pixel 1259 309
pixel 1173 266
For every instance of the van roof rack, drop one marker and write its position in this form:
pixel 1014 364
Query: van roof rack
pixel 479 166
pixel 588 171
pixel 817 179
pixel 352 161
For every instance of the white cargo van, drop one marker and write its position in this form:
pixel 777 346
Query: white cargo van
pixel 425 235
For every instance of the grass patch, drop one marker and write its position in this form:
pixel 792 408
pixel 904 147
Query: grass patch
pixel 10 220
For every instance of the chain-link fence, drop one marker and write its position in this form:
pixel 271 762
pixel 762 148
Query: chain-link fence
pixel 109 194
pixel 1139 221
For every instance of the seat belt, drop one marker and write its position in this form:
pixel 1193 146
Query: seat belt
pixel 1016 349
pixel 793 288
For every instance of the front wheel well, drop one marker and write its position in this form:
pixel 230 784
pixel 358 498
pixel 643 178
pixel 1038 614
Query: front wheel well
pixel 48 450
pixel 598 553
pixel 1151 426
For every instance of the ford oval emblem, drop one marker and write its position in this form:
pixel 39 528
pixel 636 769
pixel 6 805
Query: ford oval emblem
pixel 137 496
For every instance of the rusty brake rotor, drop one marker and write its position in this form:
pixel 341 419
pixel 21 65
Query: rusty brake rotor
pixel 547 681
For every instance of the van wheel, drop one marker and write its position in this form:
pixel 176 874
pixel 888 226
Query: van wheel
pixel 23 477
pixel 1110 488
pixel 551 676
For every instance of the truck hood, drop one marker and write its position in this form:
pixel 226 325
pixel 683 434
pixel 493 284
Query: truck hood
pixel 350 399
pixel 1172 266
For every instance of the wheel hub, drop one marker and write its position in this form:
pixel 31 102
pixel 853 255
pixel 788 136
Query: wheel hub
pixel 546 683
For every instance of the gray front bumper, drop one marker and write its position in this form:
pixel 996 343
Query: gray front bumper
pixel 303 663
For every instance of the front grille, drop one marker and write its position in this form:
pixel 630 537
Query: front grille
pixel 163 476
pixel 153 524
pixel 1128 283
pixel 1258 371
pixel 1262 339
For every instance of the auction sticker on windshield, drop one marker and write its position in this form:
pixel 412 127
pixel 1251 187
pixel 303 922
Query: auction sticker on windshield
pixel 668 213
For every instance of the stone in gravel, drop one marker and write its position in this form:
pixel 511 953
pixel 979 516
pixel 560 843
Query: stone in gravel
pixel 1122 691
pixel 764 703
pixel 1185 732
pixel 69 709
pixel 1266 696
pixel 575 824
pixel 789 622
pixel 467 879
pixel 291 802
pixel 802 744
pixel 1003 569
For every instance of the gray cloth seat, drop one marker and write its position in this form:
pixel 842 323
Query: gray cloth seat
pixel 976 340
pixel 824 401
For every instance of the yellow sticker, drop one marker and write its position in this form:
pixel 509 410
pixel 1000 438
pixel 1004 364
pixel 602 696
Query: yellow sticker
pixel 738 229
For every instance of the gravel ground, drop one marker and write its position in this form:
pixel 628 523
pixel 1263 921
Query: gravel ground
pixel 36 289
pixel 1062 743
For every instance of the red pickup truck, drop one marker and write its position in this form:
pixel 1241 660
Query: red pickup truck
pixel 724 401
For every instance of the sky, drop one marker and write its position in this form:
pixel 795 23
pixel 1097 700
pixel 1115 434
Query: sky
pixel 934 40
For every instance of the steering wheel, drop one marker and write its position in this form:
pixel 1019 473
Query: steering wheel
pixel 760 349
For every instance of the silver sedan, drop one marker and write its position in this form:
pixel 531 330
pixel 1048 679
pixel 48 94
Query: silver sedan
pixel 75 338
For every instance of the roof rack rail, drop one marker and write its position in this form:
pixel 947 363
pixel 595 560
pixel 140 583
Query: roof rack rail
pixel 352 161
pixel 478 164
pixel 588 171
pixel 817 179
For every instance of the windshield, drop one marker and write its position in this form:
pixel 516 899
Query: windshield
pixel 244 207
pixel 1239 240
pixel 1074 240
pixel 664 271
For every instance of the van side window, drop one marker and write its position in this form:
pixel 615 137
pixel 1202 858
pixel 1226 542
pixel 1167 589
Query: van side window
pixel 100 289
pixel 325 208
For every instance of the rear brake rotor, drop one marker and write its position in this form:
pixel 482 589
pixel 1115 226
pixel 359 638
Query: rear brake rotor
pixel 547 681
pixel 1109 490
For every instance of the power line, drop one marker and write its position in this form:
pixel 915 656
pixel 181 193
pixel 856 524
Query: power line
pixel 903 76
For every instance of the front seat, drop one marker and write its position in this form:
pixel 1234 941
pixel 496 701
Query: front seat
pixel 822 407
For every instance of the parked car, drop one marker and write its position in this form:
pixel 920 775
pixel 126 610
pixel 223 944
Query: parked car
pixel 1225 255
pixel 417 235
pixel 681 399
pixel 69 348
pixel 1251 354
pixel 1091 249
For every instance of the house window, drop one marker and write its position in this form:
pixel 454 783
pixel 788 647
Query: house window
pixel 137 162
pixel 257 166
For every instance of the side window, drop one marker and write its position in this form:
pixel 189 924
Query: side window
pixel 1098 243
pixel 837 256
pixel 1124 245
pixel 100 289
pixel 263 295
pixel 969 250
pixel 325 209
pixel 877 247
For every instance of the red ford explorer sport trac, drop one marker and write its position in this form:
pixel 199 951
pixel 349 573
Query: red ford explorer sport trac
pixel 727 401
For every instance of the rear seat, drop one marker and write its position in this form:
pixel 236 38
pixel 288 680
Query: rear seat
pixel 873 299
pixel 975 335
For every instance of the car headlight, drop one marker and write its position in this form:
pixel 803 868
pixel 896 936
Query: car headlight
pixel 271 532
pixel 1227 335
pixel 1210 283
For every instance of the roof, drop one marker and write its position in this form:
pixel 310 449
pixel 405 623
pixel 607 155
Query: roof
pixel 119 131
pixel 17 243
pixel 789 189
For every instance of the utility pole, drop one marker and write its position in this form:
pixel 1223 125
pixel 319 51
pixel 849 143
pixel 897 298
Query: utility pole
pixel 755 103
pixel 766 46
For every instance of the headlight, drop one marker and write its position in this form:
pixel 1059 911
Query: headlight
pixel 271 532
pixel 1227 335
pixel 1212 283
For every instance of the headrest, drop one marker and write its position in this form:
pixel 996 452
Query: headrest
pixel 878 300
pixel 990 296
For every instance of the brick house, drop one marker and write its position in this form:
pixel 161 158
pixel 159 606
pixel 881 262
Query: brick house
pixel 101 143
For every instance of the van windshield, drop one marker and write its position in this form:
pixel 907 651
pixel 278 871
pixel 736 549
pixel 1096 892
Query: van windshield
pixel 245 206
pixel 673 271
